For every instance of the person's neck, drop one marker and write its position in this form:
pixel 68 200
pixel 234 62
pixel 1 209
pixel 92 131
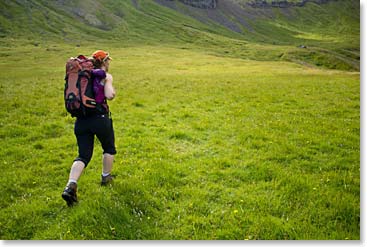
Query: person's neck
pixel 104 68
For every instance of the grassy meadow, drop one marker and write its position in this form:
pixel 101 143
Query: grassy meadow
pixel 209 147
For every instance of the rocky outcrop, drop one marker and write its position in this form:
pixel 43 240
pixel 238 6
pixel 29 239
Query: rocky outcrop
pixel 203 4
pixel 283 3
pixel 212 4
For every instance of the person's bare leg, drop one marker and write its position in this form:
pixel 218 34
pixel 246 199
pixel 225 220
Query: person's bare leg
pixel 107 168
pixel 76 170
pixel 70 192
pixel 107 161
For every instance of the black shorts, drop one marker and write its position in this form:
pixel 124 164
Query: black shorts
pixel 86 128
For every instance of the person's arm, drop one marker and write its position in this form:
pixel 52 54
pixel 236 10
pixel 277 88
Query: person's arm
pixel 109 91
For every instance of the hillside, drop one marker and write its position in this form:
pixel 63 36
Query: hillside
pixel 312 32
pixel 322 26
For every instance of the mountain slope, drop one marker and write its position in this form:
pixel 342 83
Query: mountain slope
pixel 328 34
pixel 323 24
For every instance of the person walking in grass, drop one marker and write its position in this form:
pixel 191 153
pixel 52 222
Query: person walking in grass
pixel 98 124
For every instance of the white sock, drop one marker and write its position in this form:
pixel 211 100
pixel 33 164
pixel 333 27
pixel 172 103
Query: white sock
pixel 105 174
pixel 72 181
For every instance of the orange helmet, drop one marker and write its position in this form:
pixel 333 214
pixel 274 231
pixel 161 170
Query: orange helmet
pixel 101 55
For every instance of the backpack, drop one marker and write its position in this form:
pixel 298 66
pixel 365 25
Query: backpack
pixel 78 92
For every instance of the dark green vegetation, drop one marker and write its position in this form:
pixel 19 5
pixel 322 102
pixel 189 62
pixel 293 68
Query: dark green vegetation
pixel 219 135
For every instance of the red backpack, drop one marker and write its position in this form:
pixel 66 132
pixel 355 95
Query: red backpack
pixel 78 92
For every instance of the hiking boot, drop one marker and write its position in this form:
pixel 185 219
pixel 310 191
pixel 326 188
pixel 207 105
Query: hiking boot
pixel 69 194
pixel 107 179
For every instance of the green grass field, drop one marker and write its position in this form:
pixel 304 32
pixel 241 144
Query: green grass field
pixel 209 147
pixel 220 134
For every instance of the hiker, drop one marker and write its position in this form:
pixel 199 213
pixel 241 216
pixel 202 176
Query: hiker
pixel 97 124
